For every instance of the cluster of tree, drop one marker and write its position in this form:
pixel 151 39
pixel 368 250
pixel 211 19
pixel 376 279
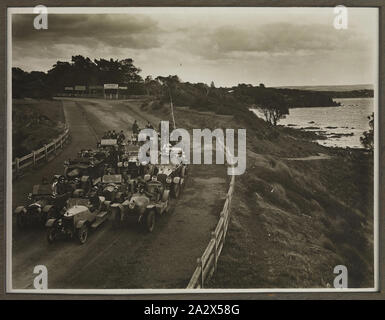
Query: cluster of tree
pixel 84 71
pixel 29 84
pixel 273 102
pixel 198 96
pixel 79 71
pixel 306 98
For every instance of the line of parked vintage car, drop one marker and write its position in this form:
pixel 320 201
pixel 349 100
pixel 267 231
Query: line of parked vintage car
pixel 107 183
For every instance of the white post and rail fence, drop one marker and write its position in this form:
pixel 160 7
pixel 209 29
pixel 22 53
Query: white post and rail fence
pixel 42 154
pixel 207 263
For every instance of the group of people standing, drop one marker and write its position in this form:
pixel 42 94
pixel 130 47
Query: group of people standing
pixel 135 127
pixel 111 134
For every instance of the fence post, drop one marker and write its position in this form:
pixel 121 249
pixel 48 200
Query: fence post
pixel 199 263
pixel 213 237
pixel 34 157
pixel 223 215
pixel 17 166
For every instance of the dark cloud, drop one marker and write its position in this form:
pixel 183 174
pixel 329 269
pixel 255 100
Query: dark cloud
pixel 122 31
pixel 274 48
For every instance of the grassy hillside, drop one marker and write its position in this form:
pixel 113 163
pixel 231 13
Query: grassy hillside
pixel 35 123
pixel 293 221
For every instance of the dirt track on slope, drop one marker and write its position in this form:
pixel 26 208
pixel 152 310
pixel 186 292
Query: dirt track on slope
pixel 123 257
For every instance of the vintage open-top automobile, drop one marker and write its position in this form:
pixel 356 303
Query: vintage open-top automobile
pixel 150 200
pixel 43 204
pixel 129 164
pixel 80 216
pixel 85 169
pixel 115 189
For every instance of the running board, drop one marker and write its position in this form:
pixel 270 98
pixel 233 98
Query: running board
pixel 100 218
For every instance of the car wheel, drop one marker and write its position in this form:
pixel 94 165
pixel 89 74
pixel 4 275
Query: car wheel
pixel 150 222
pixel 51 235
pixel 44 217
pixel 175 190
pixel 117 218
pixel 82 234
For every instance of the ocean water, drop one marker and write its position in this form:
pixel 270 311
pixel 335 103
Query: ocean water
pixel 350 120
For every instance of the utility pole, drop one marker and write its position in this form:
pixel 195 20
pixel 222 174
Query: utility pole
pixel 171 106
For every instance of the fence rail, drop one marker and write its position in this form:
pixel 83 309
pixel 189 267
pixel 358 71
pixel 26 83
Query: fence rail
pixel 207 263
pixel 36 156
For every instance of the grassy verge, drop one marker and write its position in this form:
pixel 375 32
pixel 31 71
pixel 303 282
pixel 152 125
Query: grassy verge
pixel 35 123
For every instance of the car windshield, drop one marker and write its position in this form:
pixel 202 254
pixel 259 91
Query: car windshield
pixel 71 202
pixel 112 178
pixel 41 189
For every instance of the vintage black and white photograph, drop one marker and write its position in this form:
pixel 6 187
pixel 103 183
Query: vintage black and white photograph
pixel 192 149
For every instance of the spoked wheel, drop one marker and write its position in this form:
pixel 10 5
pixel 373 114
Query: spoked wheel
pixel 51 235
pixel 167 209
pixel 82 234
pixel 150 222
pixel 117 218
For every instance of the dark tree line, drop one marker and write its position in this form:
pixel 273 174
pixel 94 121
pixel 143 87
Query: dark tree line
pixel 274 103
pixel 29 84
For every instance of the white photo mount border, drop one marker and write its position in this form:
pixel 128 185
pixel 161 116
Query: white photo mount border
pixel 378 119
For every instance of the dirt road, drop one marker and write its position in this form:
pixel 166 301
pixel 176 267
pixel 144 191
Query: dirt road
pixel 123 257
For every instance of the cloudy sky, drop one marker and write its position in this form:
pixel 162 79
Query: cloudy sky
pixel 280 46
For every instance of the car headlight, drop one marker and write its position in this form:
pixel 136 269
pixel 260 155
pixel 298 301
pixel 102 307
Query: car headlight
pixel 168 180
pixel 120 164
pixel 126 163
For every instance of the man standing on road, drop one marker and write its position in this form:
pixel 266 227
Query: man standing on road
pixel 135 128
